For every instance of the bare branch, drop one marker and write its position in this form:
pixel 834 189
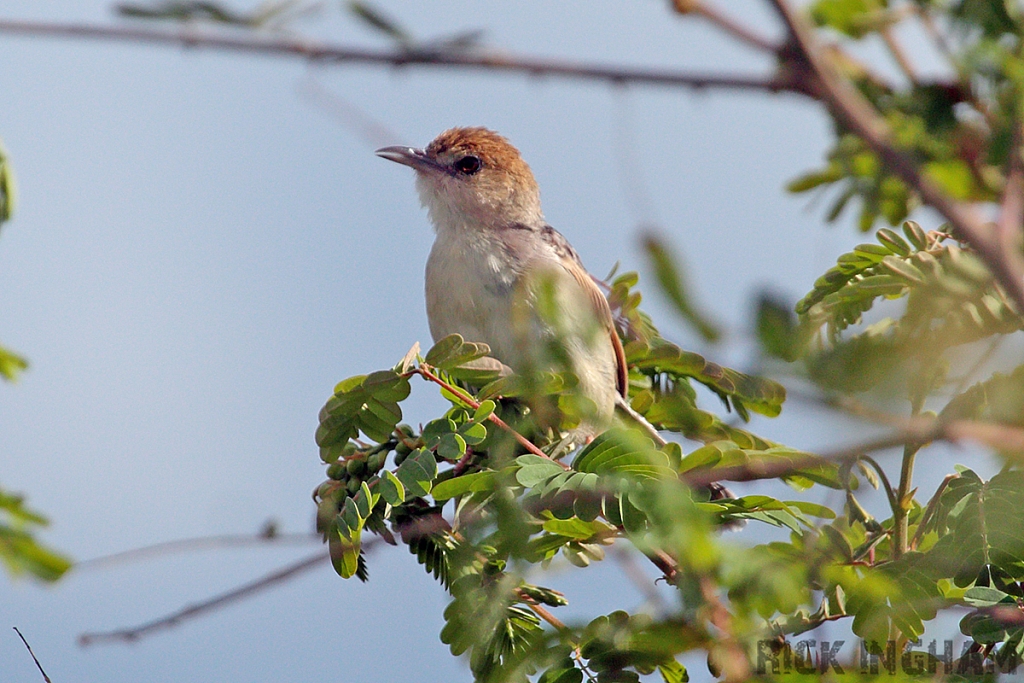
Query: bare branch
pixel 726 24
pixel 201 543
pixel 896 50
pixel 914 431
pixel 1011 214
pixel 128 635
pixel 29 648
pixel 324 53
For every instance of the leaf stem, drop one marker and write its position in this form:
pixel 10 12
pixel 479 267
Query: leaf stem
pixel 889 492
pixel 929 511
pixel 424 371
pixel 903 495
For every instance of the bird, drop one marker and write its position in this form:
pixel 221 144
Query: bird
pixel 498 273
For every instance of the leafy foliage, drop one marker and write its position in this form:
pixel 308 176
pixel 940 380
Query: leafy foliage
pixel 956 128
pixel 19 550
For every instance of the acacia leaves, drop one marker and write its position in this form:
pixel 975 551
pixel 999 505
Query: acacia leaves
pixel 478 507
pixel 950 300
pixel 980 528
pixel 935 121
pixel 660 360
pixel 364 403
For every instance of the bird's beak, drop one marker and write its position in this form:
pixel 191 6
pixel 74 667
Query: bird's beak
pixel 408 156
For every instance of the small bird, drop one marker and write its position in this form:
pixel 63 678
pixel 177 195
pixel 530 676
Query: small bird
pixel 499 274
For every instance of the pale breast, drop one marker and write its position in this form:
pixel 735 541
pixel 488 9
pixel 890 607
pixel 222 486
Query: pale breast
pixel 517 297
pixel 470 285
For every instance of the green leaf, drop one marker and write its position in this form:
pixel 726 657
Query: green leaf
pixel 473 433
pixel 743 392
pixel 893 241
pixel 980 528
pixel 562 674
pixel 391 488
pixel 916 235
pixel 466 483
pixel 453 351
pixel 777 330
pixel 19 550
pixel 984 596
pixel 623 451
pixel 998 399
pixel 417 472
pixel 11 364
pixel 534 470
pixel 367 403
pixel 350 522
pixel 8 191
pixel 377 20
pixel 673 672
pixel 904 270
pixel 854 18
pixel 576 528
pixel 484 411
pixel 954 176
pixel 345 553
pixel 452 446
pixel 813 509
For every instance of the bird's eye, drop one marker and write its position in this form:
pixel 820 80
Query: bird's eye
pixel 468 165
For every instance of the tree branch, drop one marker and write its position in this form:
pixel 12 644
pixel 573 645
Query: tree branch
pixel 33 654
pixel 325 53
pixel 917 430
pixel 726 24
pixel 852 110
pixel 128 635
pixel 200 543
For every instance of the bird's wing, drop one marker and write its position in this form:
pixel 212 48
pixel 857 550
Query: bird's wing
pixel 595 297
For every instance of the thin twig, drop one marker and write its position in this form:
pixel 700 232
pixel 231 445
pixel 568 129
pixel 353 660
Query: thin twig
pixel 129 635
pixel 901 513
pixel 640 580
pixel 351 116
pixel 547 616
pixel 919 430
pixel 1011 214
pixel 735 664
pixel 929 511
pixel 190 544
pixel 986 355
pixel 29 647
pixel 726 24
pixel 325 53
pixel 889 491
pixel 898 54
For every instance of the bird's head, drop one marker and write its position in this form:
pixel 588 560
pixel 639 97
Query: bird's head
pixel 472 178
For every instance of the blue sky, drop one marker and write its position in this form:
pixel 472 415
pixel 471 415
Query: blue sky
pixel 202 250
